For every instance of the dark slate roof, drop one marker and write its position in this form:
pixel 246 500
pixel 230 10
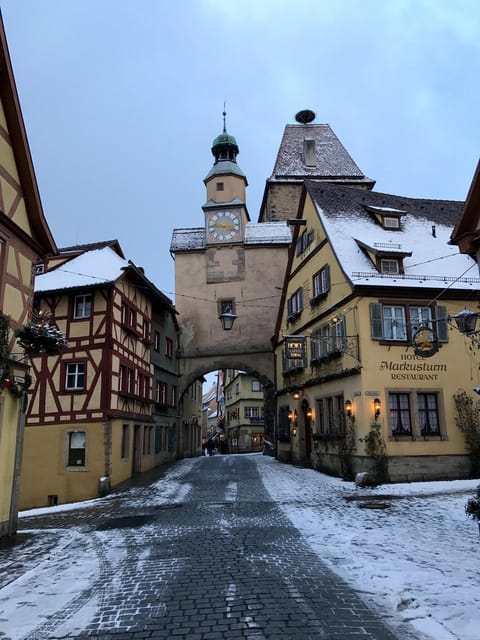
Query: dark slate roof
pixel 335 200
pixel 332 161
pixel 81 248
pixel 423 238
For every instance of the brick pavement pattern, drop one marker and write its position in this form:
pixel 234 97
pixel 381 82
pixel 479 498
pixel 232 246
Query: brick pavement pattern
pixel 225 564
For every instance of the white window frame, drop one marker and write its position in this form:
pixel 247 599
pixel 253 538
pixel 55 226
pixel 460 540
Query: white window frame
pixel 394 322
pixel 82 306
pixel 389 265
pixel 75 372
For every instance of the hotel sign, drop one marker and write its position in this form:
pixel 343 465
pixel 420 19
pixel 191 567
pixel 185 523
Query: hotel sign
pixel 296 347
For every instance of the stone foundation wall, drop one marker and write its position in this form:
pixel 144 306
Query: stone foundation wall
pixel 402 468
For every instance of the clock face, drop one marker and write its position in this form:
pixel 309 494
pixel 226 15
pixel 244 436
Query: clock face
pixel 224 226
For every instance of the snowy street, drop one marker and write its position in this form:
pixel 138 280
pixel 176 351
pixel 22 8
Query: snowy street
pixel 208 550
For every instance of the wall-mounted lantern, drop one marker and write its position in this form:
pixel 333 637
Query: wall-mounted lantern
pixel 296 395
pixel 227 318
pixel 376 407
pixel 294 432
pixel 466 321
pixel 309 413
pixel 348 408
pixel 292 415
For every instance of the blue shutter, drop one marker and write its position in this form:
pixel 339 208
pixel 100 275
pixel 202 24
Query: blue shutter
pixel 441 324
pixel 376 322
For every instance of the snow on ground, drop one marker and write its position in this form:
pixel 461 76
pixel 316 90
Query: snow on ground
pixel 418 560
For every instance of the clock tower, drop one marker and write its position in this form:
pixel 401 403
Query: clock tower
pixel 225 210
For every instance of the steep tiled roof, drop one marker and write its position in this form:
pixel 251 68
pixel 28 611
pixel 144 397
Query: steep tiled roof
pixel 332 161
pixel 423 237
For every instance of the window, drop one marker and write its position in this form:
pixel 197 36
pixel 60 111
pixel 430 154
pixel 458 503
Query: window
pixel 74 376
pixel 309 152
pixel 420 316
pixel 321 283
pixel 220 186
pixel 304 241
pixel 174 395
pixel 147 440
pixel 295 304
pixel 82 307
pixel 169 347
pixel 256 386
pixel 145 330
pixel 160 392
pixel 389 265
pixel 428 414
pixel 253 412
pixel 125 447
pixel 331 416
pixel 156 340
pixel 76 448
pixel 142 385
pixel 400 420
pixel 399 322
pixel 390 222
pixel 158 438
pixel 329 339
pixel 129 317
pixel 415 414
pixel 130 381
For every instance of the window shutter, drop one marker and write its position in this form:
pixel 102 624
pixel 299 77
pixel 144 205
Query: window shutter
pixel 289 307
pixel 376 324
pixel 327 277
pixel 299 245
pixel 300 299
pixel 442 325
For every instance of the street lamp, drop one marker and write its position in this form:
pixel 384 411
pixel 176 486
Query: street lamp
pixel 227 318
pixel 466 321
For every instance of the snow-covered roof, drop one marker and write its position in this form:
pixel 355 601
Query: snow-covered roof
pixel 332 161
pixel 263 233
pixel 91 268
pixel 267 233
pixel 429 261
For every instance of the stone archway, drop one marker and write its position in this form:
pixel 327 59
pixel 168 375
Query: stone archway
pixel 257 365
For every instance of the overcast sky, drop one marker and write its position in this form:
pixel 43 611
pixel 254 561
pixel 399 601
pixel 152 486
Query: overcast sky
pixel 122 100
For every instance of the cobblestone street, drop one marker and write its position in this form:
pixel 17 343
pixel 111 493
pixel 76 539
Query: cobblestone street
pixel 221 562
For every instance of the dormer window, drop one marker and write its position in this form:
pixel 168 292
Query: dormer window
pixel 387 257
pixel 387 217
pixel 389 265
pixel 391 223
pixel 309 152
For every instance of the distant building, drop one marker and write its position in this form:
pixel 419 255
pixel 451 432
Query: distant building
pixel 25 239
pixel 107 407
pixel 244 412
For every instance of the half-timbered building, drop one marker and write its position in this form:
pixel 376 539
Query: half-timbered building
pixel 24 239
pixel 91 420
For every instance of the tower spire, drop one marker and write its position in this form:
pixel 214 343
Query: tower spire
pixel 224 118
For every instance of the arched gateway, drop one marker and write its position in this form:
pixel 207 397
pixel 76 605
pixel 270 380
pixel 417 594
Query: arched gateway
pixel 229 265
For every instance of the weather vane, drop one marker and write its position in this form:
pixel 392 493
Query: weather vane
pixel 224 118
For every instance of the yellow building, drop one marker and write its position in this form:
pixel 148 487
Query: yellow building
pixel 24 239
pixel 368 358
pixel 102 410
pixel 244 412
